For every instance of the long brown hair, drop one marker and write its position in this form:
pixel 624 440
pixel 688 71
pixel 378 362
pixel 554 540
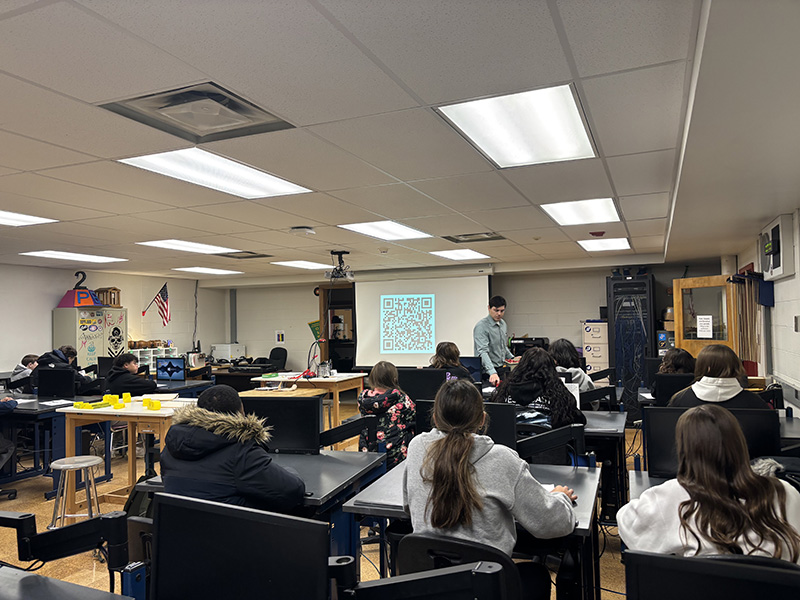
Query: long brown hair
pixel 716 360
pixel 727 500
pixel 383 376
pixel 458 413
pixel 447 355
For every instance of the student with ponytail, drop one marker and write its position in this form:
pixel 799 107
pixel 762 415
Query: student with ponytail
pixel 460 484
pixel 718 504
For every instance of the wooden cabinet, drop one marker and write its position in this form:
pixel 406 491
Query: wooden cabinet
pixel 337 316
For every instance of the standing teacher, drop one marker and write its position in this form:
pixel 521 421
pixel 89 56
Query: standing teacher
pixel 491 340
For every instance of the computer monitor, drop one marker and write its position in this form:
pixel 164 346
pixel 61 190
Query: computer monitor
pixel 421 384
pixel 502 421
pixel 473 365
pixel 207 550
pixel 56 383
pixel 296 422
pixel 104 364
pixel 171 369
pixel 667 385
pixel 761 428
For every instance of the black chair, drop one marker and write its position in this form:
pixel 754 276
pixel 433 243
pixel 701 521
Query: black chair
pixel 277 358
pixel 726 577
pixel 421 552
pixel 570 437
pixel 606 397
pixel 668 384
pixel 773 396
pixel 611 373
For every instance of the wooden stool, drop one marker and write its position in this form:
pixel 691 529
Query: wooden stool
pixel 69 466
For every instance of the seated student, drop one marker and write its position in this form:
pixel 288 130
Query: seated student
pixel 717 372
pixel 64 358
pixel 21 375
pixel 122 377
pixel 7 405
pixel 461 484
pixel 718 504
pixel 539 393
pixel 214 451
pixel 568 361
pixel 675 360
pixel 448 357
pixel 396 412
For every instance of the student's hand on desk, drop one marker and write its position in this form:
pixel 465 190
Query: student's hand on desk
pixel 6 399
pixel 494 379
pixel 568 491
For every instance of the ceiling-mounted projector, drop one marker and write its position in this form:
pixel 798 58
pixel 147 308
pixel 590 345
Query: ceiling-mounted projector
pixel 340 271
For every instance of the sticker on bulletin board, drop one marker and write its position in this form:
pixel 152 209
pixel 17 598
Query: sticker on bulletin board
pixel 280 337
pixel 705 327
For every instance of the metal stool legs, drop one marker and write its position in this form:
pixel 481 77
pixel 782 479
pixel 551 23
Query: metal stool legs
pixel 69 467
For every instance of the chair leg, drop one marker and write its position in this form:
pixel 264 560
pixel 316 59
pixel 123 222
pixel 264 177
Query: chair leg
pixel 94 491
pixel 62 480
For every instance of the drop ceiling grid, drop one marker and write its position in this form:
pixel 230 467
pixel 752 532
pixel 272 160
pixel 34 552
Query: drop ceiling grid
pixel 472 192
pixel 393 201
pixel 26 154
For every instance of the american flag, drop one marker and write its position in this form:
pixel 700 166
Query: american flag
pixel 162 302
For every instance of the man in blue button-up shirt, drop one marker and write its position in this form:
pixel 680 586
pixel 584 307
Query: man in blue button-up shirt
pixel 491 340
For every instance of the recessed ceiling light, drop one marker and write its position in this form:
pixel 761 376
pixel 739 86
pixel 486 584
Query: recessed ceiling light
pixel 73 256
pixel 208 271
pixel 302 264
pixel 465 254
pixel 606 244
pixel 529 128
pixel 187 246
pixel 209 170
pixel 19 220
pixel 582 212
pixel 386 230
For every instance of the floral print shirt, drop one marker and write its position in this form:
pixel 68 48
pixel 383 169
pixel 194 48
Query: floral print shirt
pixel 397 415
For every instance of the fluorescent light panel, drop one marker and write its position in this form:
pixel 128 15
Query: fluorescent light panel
pixel 19 220
pixel 185 246
pixel 583 212
pixel 302 264
pixel 92 258
pixel 209 170
pixel 386 230
pixel 208 271
pixel 464 254
pixel 605 244
pixel 529 128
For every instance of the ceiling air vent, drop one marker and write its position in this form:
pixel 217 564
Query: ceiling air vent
pixel 200 113
pixel 471 238
pixel 244 255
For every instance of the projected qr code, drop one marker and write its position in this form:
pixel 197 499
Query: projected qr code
pixel 407 324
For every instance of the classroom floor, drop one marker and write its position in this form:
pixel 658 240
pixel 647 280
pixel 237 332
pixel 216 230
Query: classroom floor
pixel 85 569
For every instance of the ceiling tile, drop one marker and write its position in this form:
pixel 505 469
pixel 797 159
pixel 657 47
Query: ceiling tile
pixel 562 181
pixel 281 46
pixel 36 186
pixel 649 227
pixel 394 201
pixel 51 117
pixel 25 154
pixel 559 249
pixel 422 145
pixel 319 208
pixel 274 239
pixel 45 208
pixel 453 224
pixel 637 111
pixel 544 235
pixel 15 5
pixel 299 157
pixel 643 173
pixel 473 192
pixel 114 64
pixel 648 206
pixel 446 50
pixel 584 232
pixel 623 34
pixel 256 215
pixel 7 171
pixel 510 219
pixel 190 219
pixel 514 251
pixel 648 242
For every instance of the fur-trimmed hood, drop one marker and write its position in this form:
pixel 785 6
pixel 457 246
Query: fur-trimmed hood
pixel 197 432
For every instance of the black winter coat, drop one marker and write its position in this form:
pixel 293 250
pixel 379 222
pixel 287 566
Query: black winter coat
pixel 56 360
pixel 220 457
pixel 120 380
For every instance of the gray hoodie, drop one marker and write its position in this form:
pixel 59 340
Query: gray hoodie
pixel 507 488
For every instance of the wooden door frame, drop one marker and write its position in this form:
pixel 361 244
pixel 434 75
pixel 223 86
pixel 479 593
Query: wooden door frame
pixel 694 346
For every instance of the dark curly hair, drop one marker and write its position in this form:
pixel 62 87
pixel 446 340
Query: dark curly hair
pixel 565 354
pixel 676 360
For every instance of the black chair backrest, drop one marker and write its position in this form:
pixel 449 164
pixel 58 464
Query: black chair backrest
pixel 605 396
pixel 502 421
pixel 104 364
pixel 479 581
pixel 666 577
pixel 421 384
pixel 566 376
pixel 56 383
pixel 421 552
pixel 761 427
pixel 277 356
pixel 773 397
pixel 651 365
pixel 667 384
pixel 572 436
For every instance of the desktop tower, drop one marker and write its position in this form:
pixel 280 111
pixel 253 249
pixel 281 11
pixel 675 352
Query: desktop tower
pixel 631 333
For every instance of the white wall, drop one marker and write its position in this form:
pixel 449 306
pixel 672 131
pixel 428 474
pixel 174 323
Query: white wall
pixel 551 304
pixel 785 341
pixel 31 294
pixel 262 311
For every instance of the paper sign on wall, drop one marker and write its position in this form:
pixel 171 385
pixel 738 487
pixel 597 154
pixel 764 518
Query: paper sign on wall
pixel 705 327
pixel 280 337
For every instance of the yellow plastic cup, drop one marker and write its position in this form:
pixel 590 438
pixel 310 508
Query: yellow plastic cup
pixel 106 397
pixel 114 399
pixel 126 397
pixel 146 402
pixel 155 405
